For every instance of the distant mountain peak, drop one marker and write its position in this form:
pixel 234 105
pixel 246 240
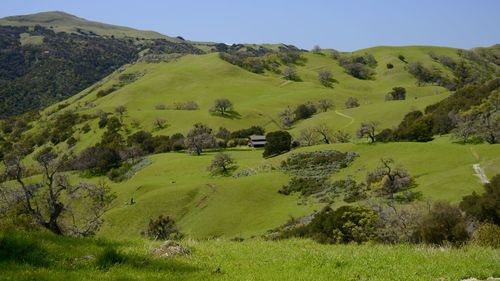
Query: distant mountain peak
pixel 64 22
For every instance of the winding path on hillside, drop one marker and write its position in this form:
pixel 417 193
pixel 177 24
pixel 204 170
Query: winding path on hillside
pixel 345 116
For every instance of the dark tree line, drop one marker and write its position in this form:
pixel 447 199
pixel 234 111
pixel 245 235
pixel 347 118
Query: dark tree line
pixel 34 76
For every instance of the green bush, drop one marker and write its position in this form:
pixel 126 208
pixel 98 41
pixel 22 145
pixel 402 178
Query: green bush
pixel 162 228
pixel 485 207
pixel 443 224
pixel 487 235
pixel 277 142
pixel 343 225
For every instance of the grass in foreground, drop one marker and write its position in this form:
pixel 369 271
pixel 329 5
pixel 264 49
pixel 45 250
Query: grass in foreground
pixel 41 256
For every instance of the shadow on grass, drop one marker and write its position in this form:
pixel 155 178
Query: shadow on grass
pixel 38 249
pixel 110 257
pixel 231 114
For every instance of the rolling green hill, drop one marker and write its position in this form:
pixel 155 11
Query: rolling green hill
pixel 141 77
pixel 178 184
pixel 258 98
pixel 64 22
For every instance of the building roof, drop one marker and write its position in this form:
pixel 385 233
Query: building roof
pixel 257 138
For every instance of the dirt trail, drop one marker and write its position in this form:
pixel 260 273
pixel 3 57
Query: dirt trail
pixel 345 116
pixel 480 173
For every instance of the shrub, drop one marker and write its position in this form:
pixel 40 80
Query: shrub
pixel 71 142
pixel 290 74
pixel 390 66
pixel 325 77
pixel 414 127
pixel 402 58
pixel 311 170
pixel 305 185
pixel 359 66
pixel 86 128
pixel 443 224
pixel 484 207
pixel 316 163
pixel 353 191
pixel 177 142
pixel 304 111
pixel 277 143
pixel 162 228
pixel 160 107
pixel 245 133
pixel 343 225
pixel 397 93
pixel 189 105
pixel 97 160
pixel 487 235
pixel 351 102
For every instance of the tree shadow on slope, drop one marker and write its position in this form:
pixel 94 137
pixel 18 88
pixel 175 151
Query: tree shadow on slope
pixel 230 114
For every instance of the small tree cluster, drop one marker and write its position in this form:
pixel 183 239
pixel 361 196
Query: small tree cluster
pixel 189 105
pixel 397 93
pixel 359 66
pixel 351 102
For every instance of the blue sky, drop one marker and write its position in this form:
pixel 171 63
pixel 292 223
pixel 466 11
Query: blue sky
pixel 343 25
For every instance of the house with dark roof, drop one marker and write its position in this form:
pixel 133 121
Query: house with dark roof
pixel 257 141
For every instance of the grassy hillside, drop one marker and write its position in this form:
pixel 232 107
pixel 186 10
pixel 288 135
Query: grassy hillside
pixel 48 258
pixel 179 185
pixel 64 22
pixel 258 98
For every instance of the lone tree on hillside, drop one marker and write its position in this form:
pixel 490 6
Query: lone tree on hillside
pixel 368 130
pixel 390 178
pixel 221 106
pixel 121 109
pixel 325 104
pixel 324 132
pixel 286 118
pixel 221 164
pixel 277 143
pixel 53 202
pixel 341 136
pixel 316 49
pixel 199 138
pixel 351 102
pixel 325 77
pixel 308 137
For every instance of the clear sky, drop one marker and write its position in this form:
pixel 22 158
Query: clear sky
pixel 343 25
